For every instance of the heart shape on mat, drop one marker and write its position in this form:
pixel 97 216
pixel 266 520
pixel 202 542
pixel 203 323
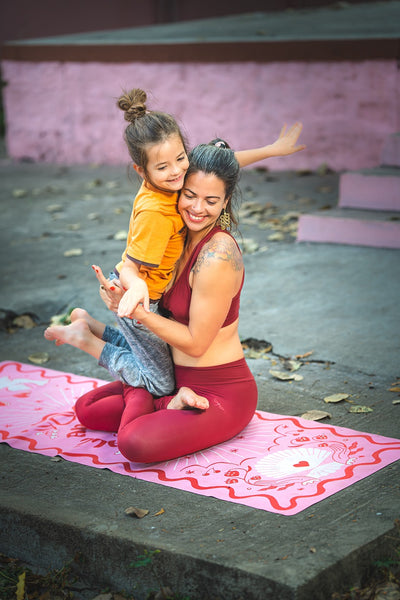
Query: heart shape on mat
pixel 302 463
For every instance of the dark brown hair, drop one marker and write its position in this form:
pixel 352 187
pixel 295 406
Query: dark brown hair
pixel 146 128
pixel 217 158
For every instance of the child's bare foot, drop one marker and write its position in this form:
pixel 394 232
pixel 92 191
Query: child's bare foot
pixel 77 334
pixel 95 326
pixel 186 398
pixel 73 334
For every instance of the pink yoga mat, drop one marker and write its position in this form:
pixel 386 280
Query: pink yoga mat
pixel 277 463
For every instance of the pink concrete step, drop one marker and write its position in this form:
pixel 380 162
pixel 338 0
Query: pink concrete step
pixel 353 227
pixel 391 151
pixel 371 189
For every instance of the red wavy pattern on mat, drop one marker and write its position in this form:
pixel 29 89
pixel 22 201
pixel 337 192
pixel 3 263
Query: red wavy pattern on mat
pixel 321 486
pixel 48 373
pixel 282 504
pixel 330 428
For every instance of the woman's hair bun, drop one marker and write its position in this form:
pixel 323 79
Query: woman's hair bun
pixel 219 143
pixel 133 104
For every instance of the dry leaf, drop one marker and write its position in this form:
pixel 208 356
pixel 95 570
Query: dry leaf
pixel 394 388
pixel 292 365
pixel 24 321
pixel 39 358
pixel 131 511
pixel 121 235
pixel 73 252
pixel 53 208
pixel 305 354
pixel 359 408
pixel 160 512
pixel 396 402
pixel 316 415
pixel 93 184
pixel 56 459
pixel 336 397
pixel 276 237
pixel 249 245
pixel 20 591
pixel 387 591
pixel 286 376
pixel 62 319
pixel 19 193
pixel 110 185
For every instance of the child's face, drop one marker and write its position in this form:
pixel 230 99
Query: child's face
pixel 202 200
pixel 167 165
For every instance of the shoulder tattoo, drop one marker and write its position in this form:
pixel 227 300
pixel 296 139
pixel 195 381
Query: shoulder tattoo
pixel 219 248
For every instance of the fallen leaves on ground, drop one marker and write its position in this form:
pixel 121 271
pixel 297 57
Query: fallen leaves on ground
pixel 305 355
pixel 286 376
pixel 359 408
pixel 10 321
pixel 39 358
pixel 121 235
pixel 62 319
pixel 316 415
pixel 73 252
pixel 158 513
pixel 132 511
pixel 254 348
pixel 336 398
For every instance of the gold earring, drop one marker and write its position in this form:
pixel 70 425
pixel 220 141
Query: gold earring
pixel 225 220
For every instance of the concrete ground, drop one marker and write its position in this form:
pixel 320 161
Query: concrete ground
pixel 340 302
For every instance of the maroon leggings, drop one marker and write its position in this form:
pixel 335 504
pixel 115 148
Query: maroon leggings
pixel 149 432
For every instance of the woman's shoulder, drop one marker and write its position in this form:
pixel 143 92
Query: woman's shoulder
pixel 220 248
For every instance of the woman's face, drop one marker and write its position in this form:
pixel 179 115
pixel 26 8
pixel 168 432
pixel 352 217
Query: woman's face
pixel 201 200
pixel 167 163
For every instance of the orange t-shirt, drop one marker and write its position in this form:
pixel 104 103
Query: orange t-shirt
pixel 156 237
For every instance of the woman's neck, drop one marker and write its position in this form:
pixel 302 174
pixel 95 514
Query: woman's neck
pixel 194 237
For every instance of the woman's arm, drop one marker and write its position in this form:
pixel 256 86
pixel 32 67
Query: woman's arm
pixel 285 145
pixel 217 276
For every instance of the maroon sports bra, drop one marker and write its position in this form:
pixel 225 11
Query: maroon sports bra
pixel 176 301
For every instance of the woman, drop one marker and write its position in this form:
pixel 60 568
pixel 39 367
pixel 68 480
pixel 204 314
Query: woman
pixel 214 383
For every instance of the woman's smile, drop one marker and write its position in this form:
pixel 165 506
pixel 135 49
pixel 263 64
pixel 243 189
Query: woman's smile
pixel 202 200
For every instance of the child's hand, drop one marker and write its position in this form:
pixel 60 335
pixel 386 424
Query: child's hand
pixel 137 294
pixel 286 142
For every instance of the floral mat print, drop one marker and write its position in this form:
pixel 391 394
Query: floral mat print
pixel 278 463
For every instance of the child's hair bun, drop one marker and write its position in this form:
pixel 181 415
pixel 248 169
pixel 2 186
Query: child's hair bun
pixel 133 104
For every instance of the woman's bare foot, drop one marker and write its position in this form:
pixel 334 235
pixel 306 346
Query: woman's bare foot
pixel 186 398
pixel 77 334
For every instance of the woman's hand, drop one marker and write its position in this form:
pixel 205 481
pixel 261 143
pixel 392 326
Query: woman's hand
pixel 110 291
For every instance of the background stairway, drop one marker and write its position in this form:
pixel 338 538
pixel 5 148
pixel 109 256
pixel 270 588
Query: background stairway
pixel 368 212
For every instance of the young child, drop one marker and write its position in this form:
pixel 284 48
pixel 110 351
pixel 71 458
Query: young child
pixel 155 241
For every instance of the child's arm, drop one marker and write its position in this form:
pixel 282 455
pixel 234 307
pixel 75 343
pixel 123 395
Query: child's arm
pixel 136 290
pixel 283 146
pixel 124 294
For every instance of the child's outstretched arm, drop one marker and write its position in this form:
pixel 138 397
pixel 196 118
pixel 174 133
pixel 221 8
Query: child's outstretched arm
pixel 285 145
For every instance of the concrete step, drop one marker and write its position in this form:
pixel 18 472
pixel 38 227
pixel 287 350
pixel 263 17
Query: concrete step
pixel 354 227
pixel 390 156
pixel 371 189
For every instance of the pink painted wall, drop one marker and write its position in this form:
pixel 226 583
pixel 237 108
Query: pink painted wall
pixel 65 112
